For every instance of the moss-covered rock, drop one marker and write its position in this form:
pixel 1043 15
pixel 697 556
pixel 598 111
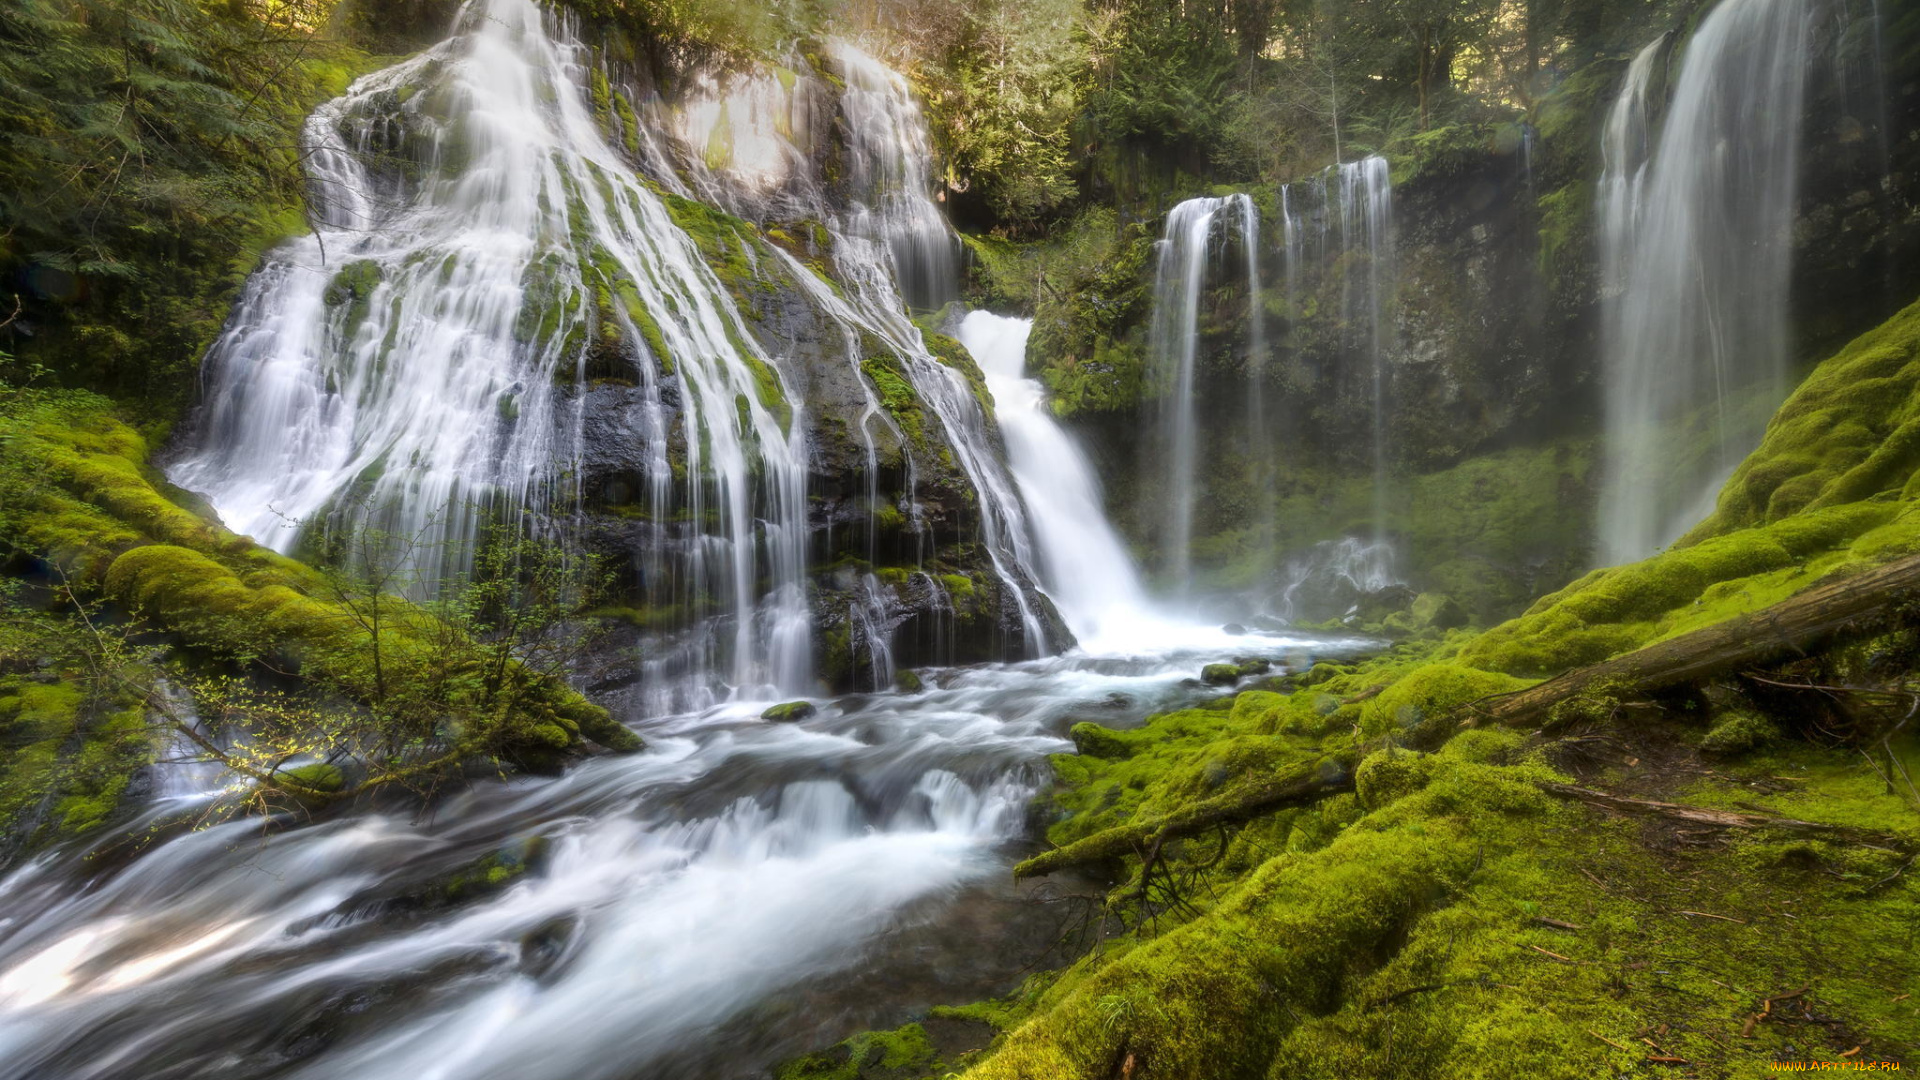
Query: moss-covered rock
pixel 1220 674
pixel 76 492
pixel 1737 732
pixel 1094 740
pixel 789 712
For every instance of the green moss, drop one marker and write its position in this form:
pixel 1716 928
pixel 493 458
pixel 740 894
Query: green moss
pixel 905 1053
pixel 1220 674
pixel 897 395
pixel 1399 932
pixel 352 288
pixel 1737 733
pixel 958 586
pixel 1849 432
pixel 1432 693
pixel 789 711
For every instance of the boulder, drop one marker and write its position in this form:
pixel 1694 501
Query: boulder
pixel 789 712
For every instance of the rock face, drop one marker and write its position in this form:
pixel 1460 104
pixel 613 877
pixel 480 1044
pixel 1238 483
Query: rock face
pixel 903 567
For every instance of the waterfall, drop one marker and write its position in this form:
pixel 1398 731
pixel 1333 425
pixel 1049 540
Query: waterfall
pixel 1083 565
pixel 892 250
pixel 1179 275
pixel 887 160
pixel 1696 248
pixel 1340 223
pixel 403 367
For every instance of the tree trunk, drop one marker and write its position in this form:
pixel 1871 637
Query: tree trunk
pixel 1245 802
pixel 1833 608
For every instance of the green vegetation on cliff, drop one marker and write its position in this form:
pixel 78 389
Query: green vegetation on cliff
pixel 148 155
pixel 391 690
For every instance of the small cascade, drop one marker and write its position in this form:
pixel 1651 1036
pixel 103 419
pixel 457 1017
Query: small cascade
pixel 888 158
pixel 870 620
pixel 1330 580
pixel 1083 565
pixel 1185 251
pixel 1341 222
pixel 419 363
pixel 1697 248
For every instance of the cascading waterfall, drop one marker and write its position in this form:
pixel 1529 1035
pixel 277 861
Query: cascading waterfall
pixel 1341 222
pixel 1329 580
pixel 1697 248
pixel 1083 565
pixel 398 367
pixel 891 250
pixel 888 158
pixel 1185 250
pixel 1352 203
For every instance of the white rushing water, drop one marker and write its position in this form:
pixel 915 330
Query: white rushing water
pixel 1083 564
pixel 740 892
pixel 1186 250
pixel 397 368
pixel 1696 248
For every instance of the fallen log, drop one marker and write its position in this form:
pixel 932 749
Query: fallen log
pixel 1244 802
pixel 1832 608
pixel 1723 819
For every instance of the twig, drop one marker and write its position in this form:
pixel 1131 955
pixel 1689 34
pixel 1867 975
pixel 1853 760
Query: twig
pixel 1608 1041
pixel 1710 915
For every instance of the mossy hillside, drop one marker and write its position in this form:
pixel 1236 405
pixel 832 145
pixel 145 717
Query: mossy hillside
pixel 1829 491
pixel 1088 288
pixel 1398 931
pixel 77 494
pixel 1851 431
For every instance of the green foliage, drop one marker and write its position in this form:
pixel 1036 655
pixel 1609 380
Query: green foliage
pixel 734 31
pixel 147 156
pixel 1003 94
pixel 1089 291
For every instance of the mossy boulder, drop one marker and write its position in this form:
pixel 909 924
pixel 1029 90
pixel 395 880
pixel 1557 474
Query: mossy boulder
pixel 1220 674
pixel 1386 775
pixel 1093 740
pixel 1437 611
pixel 1736 732
pixel 789 712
